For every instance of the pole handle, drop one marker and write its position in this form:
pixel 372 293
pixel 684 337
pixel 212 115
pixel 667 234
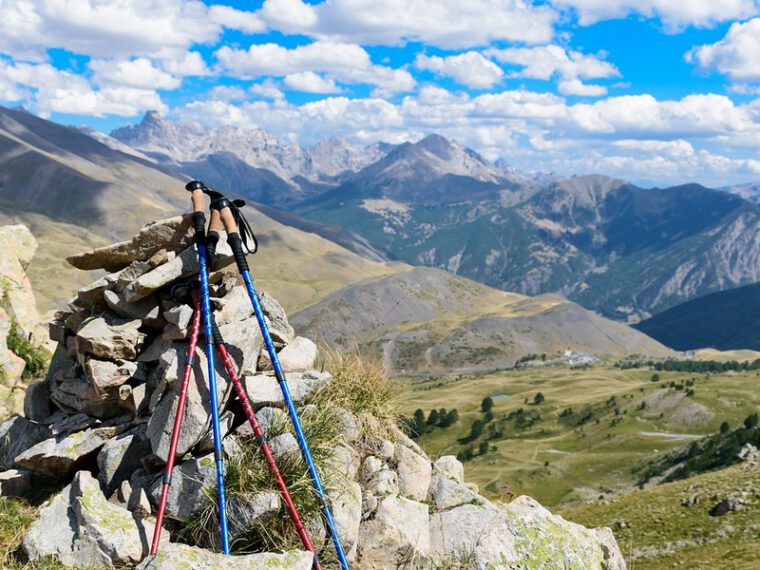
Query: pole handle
pixel 195 187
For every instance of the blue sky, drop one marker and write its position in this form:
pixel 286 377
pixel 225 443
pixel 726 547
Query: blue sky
pixel 655 91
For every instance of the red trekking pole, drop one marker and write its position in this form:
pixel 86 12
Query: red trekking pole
pixel 263 445
pixel 181 403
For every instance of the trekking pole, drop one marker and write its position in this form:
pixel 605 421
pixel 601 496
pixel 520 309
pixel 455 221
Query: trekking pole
pixel 222 209
pixel 263 445
pixel 181 403
pixel 199 222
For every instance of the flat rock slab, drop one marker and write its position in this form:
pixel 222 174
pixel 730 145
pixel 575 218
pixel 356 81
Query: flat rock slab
pixel 110 338
pixel 79 395
pixel 84 530
pixel 265 391
pixel 174 555
pixel 17 434
pixel 60 457
pixel 172 234
pixel 184 265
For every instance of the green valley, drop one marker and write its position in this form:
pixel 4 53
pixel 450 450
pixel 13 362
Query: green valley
pixel 594 434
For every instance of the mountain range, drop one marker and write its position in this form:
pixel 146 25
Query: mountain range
pixel 625 251
pixel 77 190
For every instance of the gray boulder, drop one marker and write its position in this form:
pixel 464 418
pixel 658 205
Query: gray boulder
pixel 17 434
pixel 196 421
pixel 174 555
pixel 120 457
pixel 414 473
pixel 146 310
pixel 110 338
pixel 190 480
pixel 76 394
pixel 84 530
pixel 265 391
pixel 398 536
pixel 60 458
pixel 450 467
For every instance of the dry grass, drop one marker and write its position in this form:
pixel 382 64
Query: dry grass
pixel 364 387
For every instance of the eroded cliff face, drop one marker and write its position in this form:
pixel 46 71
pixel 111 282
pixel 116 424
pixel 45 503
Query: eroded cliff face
pixel 20 330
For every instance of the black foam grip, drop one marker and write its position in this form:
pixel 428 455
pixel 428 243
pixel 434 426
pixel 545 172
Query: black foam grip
pixel 216 334
pixel 199 223
pixel 212 238
pixel 237 250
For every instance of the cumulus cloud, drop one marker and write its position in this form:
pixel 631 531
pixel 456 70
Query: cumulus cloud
pixel 675 14
pixel 274 59
pixel 342 62
pixel 267 89
pixel 736 55
pixel 233 19
pixel 55 91
pixel 443 23
pixel 140 73
pixel 546 62
pixel 310 82
pixel 470 69
pixel 577 87
pixel 103 28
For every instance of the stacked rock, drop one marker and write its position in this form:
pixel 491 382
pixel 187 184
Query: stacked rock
pixel 108 403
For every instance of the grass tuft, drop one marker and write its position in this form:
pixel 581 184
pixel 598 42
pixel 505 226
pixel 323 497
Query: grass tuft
pixel 362 386
pixel 36 358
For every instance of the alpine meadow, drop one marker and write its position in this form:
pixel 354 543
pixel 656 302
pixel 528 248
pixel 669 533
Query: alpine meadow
pixel 333 284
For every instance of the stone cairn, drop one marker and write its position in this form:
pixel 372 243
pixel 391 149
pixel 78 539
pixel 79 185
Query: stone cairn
pixel 101 423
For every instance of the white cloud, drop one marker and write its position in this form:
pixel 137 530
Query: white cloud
pixel 674 13
pixel 55 91
pixel 736 55
pixel 544 62
pixel 187 64
pixel 233 19
pixel 267 89
pixel 273 59
pixel 676 149
pixel 310 82
pixel 470 68
pixel 138 73
pixel 342 62
pixel 577 87
pixel 227 93
pixel 443 23
pixel 102 28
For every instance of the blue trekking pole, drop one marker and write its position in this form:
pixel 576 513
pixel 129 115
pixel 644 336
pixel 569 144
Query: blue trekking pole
pixel 199 222
pixel 226 213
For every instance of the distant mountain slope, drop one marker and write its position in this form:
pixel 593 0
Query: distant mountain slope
pixel 249 162
pixel 428 320
pixel 625 251
pixel 76 193
pixel 727 320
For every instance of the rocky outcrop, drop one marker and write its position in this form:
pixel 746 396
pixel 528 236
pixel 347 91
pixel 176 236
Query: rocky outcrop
pixel 101 423
pixel 18 314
